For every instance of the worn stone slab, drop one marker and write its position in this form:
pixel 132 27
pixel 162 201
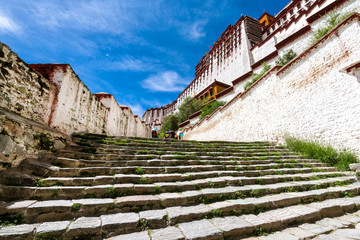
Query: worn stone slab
pixel 232 226
pixel 224 206
pixel 299 232
pixel 84 226
pixel 350 218
pixel 132 236
pixel 17 232
pixel 156 218
pixel 315 228
pixel 307 213
pixel 282 200
pixel 54 228
pixel 54 205
pixel 94 202
pixel 137 200
pixel 327 209
pixel 121 222
pixel 191 196
pixel 255 221
pixel 349 233
pixel 200 230
pixel 181 214
pixel 172 199
pixel 18 206
pixel 169 233
pixel 271 218
pixel 334 223
pixel 280 236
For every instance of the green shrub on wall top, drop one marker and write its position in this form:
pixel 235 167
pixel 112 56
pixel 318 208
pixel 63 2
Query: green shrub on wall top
pixel 256 76
pixel 210 108
pixel 189 106
pixel 287 57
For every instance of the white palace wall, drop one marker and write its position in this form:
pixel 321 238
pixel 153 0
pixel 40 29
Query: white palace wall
pixel 308 98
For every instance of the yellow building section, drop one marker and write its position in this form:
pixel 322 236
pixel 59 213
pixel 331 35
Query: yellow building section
pixel 266 19
pixel 211 91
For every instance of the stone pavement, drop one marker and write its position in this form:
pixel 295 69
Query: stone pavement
pixel 103 187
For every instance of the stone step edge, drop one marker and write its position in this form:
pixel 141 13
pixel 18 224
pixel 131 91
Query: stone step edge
pixel 183 169
pixel 182 143
pixel 324 229
pixel 177 151
pixel 228 226
pixel 90 192
pixel 161 200
pixel 177 178
pixel 69 162
pixel 247 225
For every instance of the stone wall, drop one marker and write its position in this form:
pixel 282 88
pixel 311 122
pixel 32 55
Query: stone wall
pixel 22 89
pixel 49 102
pixel 311 97
pixel 21 138
pixel 75 108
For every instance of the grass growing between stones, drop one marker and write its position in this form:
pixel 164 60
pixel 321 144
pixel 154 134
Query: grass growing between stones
pixel 334 19
pixel 324 153
pixel 8 220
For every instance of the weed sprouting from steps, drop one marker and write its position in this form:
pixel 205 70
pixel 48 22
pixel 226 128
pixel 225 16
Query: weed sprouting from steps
pixel 8 220
pixel 139 171
pixel 76 207
pixel 261 232
pixel 254 193
pixel 215 213
pixel 190 177
pixel 46 236
pixel 157 190
pixel 143 180
pixel 324 153
pixel 90 195
pixel 41 183
pixel 144 224
pixel 212 185
pixel 142 152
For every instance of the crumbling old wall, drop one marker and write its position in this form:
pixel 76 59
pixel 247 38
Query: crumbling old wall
pixel 312 97
pixel 45 103
pixel 75 108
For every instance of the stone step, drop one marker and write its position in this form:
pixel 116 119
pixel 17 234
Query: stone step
pixel 90 136
pixel 188 148
pixel 71 162
pixel 174 142
pixel 212 228
pixel 198 190
pixel 209 156
pixel 33 211
pixel 215 176
pixel 345 227
pixel 104 148
pixel 175 145
pixel 46 170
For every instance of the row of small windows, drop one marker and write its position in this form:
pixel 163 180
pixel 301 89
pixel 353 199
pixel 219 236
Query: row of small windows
pixel 285 17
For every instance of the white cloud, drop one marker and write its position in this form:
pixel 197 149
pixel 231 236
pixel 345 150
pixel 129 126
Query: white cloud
pixel 168 81
pixel 137 109
pixel 130 63
pixel 196 31
pixel 8 25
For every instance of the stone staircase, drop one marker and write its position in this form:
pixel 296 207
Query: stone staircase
pixel 101 187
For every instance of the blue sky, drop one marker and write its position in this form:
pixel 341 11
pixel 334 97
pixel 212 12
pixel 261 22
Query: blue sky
pixel 143 52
